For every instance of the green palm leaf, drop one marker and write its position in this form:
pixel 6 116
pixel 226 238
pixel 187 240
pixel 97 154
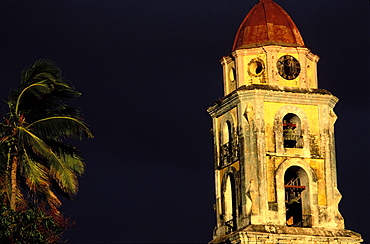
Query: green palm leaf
pixel 37 72
pixel 35 173
pixel 63 175
pixel 38 145
pixel 60 126
pixel 69 155
pixel 73 162
pixel 38 90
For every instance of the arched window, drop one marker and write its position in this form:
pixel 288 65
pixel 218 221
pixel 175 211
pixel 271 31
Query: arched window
pixel 226 147
pixel 230 203
pixel 232 74
pixel 297 200
pixel 292 131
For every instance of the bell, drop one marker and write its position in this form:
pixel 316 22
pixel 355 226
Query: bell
pixel 289 134
pixel 289 137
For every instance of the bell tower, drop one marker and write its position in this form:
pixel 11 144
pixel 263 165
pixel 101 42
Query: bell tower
pixel 275 168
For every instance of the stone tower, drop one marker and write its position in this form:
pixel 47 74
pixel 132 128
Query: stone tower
pixel 275 169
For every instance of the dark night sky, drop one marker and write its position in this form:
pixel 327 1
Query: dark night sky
pixel 148 70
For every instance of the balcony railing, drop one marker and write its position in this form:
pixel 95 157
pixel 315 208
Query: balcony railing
pixel 229 153
pixel 229 226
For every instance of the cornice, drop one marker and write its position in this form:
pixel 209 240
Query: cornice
pixel 224 104
pixel 267 93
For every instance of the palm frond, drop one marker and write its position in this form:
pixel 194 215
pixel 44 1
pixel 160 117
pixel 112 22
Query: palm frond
pixel 37 144
pixel 37 179
pixel 69 154
pixel 44 76
pixel 35 173
pixel 64 176
pixel 63 90
pixel 42 73
pixel 73 161
pixel 53 200
pixel 59 127
pixel 38 90
pixel 34 73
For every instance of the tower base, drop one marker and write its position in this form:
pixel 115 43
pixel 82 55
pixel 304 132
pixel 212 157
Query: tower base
pixel 274 234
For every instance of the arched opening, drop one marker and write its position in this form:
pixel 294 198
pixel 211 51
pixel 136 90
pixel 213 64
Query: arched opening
pixel 297 201
pixel 232 74
pixel 230 203
pixel 292 131
pixel 226 147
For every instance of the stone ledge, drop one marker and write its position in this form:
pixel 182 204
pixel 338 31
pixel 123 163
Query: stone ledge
pixel 285 234
pixel 271 88
pixel 284 89
pixel 276 229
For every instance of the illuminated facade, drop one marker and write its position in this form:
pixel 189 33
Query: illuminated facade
pixel 275 168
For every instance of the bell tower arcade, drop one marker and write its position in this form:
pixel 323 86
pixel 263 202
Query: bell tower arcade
pixel 275 168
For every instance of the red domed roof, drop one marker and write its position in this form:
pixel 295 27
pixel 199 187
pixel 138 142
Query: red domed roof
pixel 267 24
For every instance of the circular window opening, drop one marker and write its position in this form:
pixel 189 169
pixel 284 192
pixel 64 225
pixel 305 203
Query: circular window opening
pixel 256 67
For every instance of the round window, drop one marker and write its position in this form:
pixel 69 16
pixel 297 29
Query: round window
pixel 256 67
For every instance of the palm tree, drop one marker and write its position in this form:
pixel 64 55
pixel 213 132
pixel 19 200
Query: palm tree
pixel 35 160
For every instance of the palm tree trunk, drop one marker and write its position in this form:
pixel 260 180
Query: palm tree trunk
pixel 13 182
